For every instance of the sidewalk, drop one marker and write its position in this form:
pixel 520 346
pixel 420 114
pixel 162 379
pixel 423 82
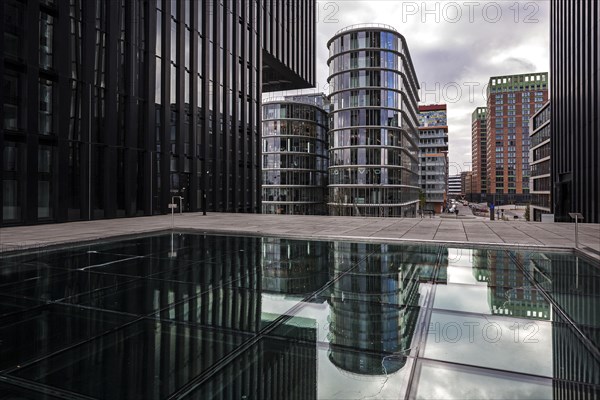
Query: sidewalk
pixel 438 230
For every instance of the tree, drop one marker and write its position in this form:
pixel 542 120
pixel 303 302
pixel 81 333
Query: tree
pixel 527 213
pixel 422 199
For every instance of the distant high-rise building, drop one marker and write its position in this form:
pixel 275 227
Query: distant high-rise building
pixel 466 184
pixel 540 161
pixel 575 123
pixel 479 154
pixel 454 186
pixel 433 154
pixel 373 138
pixel 294 161
pixel 112 107
pixel 511 100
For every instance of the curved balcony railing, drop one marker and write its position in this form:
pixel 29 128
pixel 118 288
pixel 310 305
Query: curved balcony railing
pixel 366 25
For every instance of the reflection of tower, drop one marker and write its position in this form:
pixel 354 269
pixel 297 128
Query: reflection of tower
pixel 373 311
pixel 574 285
pixel 481 271
pixel 293 266
pixel 511 293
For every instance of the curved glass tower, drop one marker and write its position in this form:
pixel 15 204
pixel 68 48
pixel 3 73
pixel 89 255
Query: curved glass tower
pixel 373 137
pixel 294 158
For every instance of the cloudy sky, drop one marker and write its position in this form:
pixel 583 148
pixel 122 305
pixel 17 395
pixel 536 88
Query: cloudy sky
pixel 456 46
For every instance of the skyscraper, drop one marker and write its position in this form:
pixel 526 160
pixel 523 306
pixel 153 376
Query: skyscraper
pixel 575 124
pixel 479 154
pixel 111 108
pixel 373 138
pixel 511 100
pixel 294 135
pixel 433 151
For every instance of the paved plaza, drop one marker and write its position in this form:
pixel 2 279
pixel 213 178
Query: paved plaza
pixel 446 230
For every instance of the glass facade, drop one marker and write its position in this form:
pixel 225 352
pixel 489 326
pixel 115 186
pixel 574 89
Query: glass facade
pixel 540 155
pixel 433 154
pixel 294 160
pixel 373 164
pixel 129 103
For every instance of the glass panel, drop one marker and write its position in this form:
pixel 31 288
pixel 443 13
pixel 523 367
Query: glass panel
pixel 46 107
pixel 149 359
pixel 462 339
pixel 228 317
pixel 46 40
pixel 50 328
pixel 439 381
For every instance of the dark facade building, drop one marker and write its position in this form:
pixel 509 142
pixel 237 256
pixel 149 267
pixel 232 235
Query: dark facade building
pixel 294 160
pixel 541 162
pixel 511 101
pixel 575 125
pixel 110 108
pixel 373 137
pixel 479 154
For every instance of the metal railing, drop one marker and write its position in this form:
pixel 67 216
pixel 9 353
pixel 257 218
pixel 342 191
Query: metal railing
pixel 366 25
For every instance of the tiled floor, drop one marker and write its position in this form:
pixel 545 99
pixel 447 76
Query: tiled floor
pixel 182 315
pixel 437 230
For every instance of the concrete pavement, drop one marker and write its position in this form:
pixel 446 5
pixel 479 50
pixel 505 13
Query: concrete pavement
pixel 437 230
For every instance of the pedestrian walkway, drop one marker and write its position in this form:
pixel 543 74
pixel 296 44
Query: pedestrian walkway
pixel 447 230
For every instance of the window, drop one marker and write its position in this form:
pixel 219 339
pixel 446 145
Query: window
pixel 11 205
pixel 44 181
pixel 46 40
pixel 10 89
pixel 45 111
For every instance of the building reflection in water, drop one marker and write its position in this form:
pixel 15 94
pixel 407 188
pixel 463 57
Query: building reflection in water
pixel 511 292
pixel 373 306
pixel 294 267
pixel 574 285
pixel 157 316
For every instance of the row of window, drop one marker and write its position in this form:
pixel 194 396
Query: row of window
pixel 372 176
pixel 294 111
pixel 540 168
pixel 295 128
pixel 368 117
pixel 365 39
pixel 295 161
pixel 369 156
pixel 365 59
pixel 319 208
pixel 370 137
pixel 304 178
pixel 294 144
pixel 367 78
pixel 309 194
pixel 367 97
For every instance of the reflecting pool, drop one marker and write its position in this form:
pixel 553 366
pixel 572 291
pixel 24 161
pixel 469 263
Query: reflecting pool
pixel 183 315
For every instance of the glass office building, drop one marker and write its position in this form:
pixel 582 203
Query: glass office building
pixel 294 134
pixel 373 138
pixel 111 108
